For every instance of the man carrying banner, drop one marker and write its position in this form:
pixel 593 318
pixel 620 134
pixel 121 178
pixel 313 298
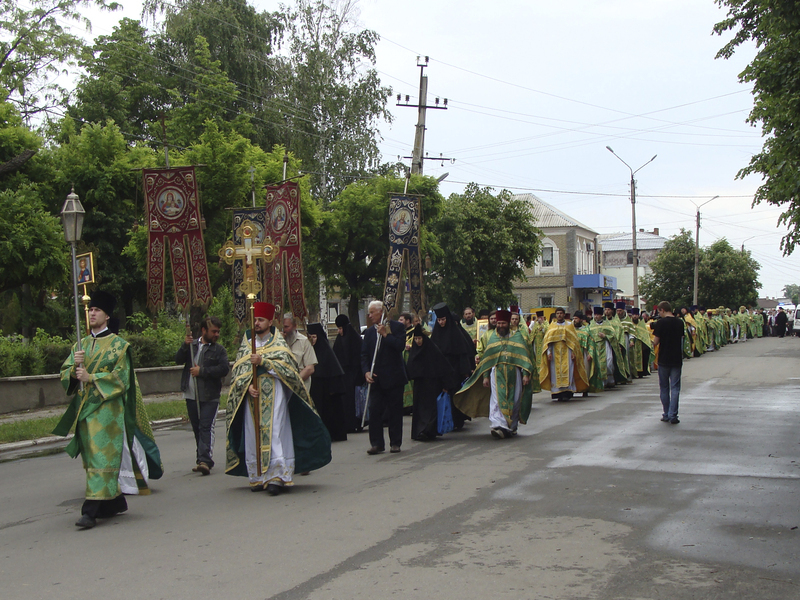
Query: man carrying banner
pixel 385 371
pixel 500 388
pixel 205 364
pixel 273 429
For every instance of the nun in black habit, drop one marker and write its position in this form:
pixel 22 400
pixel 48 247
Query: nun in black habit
pixel 431 373
pixel 327 384
pixel 459 350
pixel 347 349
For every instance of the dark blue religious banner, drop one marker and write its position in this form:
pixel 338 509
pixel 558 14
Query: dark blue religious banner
pixel 404 223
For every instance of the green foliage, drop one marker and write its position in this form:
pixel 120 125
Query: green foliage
pixel 774 26
pixel 106 176
pixel 792 291
pixel 335 93
pixel 672 276
pixel 156 345
pixel 222 307
pixel 32 246
pixel 35 43
pixel 351 246
pixel 18 358
pixel 726 277
pixel 127 81
pixel 487 241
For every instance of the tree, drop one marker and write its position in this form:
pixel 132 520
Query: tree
pixel 334 100
pixel 672 276
pixel 792 291
pixel 726 276
pixel 35 44
pixel 32 247
pixel 351 245
pixel 105 172
pixel 774 26
pixel 487 242
pixel 128 80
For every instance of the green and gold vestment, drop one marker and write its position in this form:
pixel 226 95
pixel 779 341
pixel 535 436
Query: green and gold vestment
pixel 312 442
pixel 506 355
pixel 108 412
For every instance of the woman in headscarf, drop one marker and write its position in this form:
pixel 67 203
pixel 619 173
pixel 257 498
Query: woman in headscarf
pixel 347 349
pixel 327 384
pixel 459 350
pixel 432 374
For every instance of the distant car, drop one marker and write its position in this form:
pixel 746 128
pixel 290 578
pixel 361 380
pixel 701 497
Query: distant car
pixel 794 322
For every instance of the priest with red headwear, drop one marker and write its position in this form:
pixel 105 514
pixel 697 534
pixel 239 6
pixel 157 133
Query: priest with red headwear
pixel 273 429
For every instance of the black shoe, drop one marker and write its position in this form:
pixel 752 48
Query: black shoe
pixel 375 450
pixel 394 449
pixel 86 522
pixel 273 489
pixel 257 488
pixel 497 433
pixel 674 421
pixel 665 419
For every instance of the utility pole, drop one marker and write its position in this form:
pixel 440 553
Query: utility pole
pixel 633 224
pixel 697 251
pixel 418 154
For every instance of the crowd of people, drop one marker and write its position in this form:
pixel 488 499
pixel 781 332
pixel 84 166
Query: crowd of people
pixel 292 395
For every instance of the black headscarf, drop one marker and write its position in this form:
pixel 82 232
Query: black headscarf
pixel 347 347
pixel 456 345
pixel 327 363
pixel 427 361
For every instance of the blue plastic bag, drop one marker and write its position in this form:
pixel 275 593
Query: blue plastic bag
pixel 444 413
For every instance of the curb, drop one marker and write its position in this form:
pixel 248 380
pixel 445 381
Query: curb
pixel 52 439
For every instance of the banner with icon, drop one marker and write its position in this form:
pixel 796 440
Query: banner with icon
pixel 404 238
pixel 172 209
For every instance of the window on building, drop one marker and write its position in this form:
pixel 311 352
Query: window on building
pixel 630 257
pixel 545 301
pixel 547 256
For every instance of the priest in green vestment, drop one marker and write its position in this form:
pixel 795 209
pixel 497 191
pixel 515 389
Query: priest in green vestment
pixel 595 369
pixel 642 345
pixel 112 430
pixel 500 387
pixel 273 429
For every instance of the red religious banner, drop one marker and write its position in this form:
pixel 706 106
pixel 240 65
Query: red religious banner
pixel 283 225
pixel 173 216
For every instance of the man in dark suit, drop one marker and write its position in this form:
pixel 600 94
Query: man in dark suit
pixel 387 379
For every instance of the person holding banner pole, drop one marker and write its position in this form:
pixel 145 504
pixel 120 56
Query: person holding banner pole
pixel 385 372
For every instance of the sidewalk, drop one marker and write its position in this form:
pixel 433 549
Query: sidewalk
pixel 12 450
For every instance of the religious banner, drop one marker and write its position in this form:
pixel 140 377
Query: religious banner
pixel 173 215
pixel 258 217
pixel 283 225
pixel 404 221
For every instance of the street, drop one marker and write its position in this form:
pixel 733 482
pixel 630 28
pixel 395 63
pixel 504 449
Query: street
pixel 596 498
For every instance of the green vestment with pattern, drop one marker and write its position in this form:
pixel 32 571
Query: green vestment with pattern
pixel 506 354
pixel 107 413
pixel 312 442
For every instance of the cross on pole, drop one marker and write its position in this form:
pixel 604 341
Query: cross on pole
pixel 250 250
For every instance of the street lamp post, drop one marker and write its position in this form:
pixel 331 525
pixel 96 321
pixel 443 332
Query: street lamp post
pixel 697 249
pixel 72 218
pixel 633 223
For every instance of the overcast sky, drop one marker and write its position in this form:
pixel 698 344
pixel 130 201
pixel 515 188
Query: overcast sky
pixel 537 89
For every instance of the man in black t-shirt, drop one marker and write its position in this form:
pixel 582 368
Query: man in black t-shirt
pixel 669 332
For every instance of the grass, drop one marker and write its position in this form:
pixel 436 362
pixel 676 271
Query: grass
pixel 31 429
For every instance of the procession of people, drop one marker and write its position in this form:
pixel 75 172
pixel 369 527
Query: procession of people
pixel 292 395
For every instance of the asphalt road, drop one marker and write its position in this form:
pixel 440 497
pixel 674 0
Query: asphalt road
pixel 596 498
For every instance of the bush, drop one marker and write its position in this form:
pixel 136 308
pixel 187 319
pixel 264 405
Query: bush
pixel 18 358
pixel 54 355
